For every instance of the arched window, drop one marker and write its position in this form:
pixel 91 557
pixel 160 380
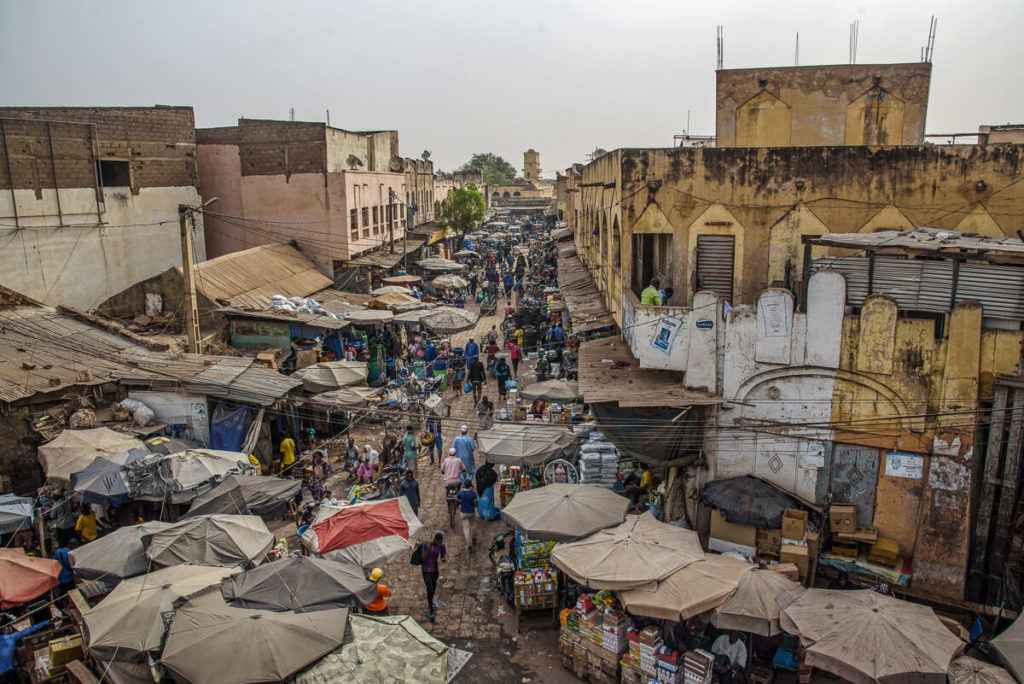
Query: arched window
pixel 516 193
pixel 616 244
pixel 505 195
pixel 495 194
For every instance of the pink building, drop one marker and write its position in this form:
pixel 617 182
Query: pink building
pixel 337 193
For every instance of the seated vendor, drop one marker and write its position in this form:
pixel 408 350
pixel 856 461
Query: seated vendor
pixel 730 657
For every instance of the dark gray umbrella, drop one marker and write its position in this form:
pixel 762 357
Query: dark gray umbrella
pixel 266 497
pixel 748 501
pixel 102 481
pixel 117 555
pixel 300 583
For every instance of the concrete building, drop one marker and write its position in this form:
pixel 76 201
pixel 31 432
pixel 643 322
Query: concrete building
pixel 854 353
pixel 337 193
pixel 999 135
pixel 855 104
pixel 89 198
pixel 419 188
pixel 531 166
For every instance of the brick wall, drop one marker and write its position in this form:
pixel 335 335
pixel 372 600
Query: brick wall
pixel 269 148
pixel 55 147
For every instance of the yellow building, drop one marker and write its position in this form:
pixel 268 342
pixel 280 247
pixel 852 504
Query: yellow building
pixel 531 165
pixel 855 104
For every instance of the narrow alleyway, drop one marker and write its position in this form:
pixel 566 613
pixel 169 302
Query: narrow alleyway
pixel 471 614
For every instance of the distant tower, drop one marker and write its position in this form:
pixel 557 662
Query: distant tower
pixel 531 165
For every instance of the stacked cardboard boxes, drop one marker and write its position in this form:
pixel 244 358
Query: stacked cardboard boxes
pixel 595 636
pixel 698 667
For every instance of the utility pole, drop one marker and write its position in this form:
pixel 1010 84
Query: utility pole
pixel 187 259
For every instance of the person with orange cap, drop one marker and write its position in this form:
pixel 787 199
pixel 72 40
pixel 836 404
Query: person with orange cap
pixel 379 606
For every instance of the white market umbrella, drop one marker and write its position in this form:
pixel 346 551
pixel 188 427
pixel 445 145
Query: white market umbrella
pixel 521 444
pixel 331 375
pixel 73 450
pixel 446 320
pixel 755 606
pixel 691 590
pixel 449 282
pixel 869 638
pixel 390 289
pixel 563 512
pixel 638 552
pixel 15 513
pixel 129 622
pixel 367 316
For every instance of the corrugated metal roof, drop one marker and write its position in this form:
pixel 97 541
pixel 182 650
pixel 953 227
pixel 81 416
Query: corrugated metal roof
pixel 586 308
pixel 44 351
pixel 385 258
pixel 927 239
pixel 251 277
pixel 312 320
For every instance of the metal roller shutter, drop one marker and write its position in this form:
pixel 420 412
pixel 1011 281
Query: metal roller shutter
pixel 715 264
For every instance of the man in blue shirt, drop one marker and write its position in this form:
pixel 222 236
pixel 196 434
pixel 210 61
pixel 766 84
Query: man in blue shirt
pixel 558 335
pixel 508 281
pixel 467 509
pixel 433 426
pixel 464 446
pixel 410 489
pixel 472 351
pixel 66 576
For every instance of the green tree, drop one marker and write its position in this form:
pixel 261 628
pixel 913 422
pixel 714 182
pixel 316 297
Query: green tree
pixel 462 210
pixel 495 169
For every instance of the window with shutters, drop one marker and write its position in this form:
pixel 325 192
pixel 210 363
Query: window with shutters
pixel 652 258
pixel 715 258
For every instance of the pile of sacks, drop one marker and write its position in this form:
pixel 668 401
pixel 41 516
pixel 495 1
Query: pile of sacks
pixel 299 305
pixel 599 459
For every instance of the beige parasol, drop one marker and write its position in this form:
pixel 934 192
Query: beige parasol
pixel 128 623
pixel 696 588
pixel 213 539
pixel 446 320
pixel 73 450
pixel 211 641
pixel 755 606
pixel 390 289
pixel 636 553
pixel 449 282
pixel 400 279
pixel 331 375
pixel 368 316
pixel 562 512
pixel 522 444
pixel 867 637
pixel 966 670
pixel 391 300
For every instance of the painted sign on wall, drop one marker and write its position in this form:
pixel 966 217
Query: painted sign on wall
pixel 899 464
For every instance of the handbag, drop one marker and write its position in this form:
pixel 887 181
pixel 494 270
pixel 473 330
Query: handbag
pixel 417 555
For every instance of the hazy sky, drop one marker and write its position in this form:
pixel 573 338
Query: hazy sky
pixel 457 77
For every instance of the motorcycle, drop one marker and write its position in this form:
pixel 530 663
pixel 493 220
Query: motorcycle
pixel 504 565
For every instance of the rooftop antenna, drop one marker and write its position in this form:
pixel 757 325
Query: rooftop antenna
pixel 291 113
pixel 796 59
pixel 929 48
pixel 854 36
pixel 721 45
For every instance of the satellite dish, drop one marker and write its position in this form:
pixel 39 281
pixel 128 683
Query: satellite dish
pixel 395 166
pixel 353 162
pixel 426 155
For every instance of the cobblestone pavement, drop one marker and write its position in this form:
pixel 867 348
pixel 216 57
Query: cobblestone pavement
pixel 471 614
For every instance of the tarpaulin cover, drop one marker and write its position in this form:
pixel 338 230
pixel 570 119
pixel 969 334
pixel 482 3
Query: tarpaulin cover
pixel 23 577
pixel 229 426
pixel 390 648
pixel 358 524
pixel 651 435
pixel 748 501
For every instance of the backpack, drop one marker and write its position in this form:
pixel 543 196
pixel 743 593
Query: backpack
pixel 417 555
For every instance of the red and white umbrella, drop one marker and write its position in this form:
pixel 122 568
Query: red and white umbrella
pixel 367 534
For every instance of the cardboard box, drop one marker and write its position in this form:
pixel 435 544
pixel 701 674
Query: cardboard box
pixel 744 535
pixel 769 542
pixel 843 518
pixel 796 555
pixel 861 535
pixel 794 522
pixel 844 550
pixel 64 650
pixel 884 552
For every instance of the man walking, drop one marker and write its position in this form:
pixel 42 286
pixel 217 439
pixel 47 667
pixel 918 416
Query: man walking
pixel 432 554
pixel 433 425
pixel 412 449
pixel 472 351
pixel 467 509
pixel 477 375
pixel 464 447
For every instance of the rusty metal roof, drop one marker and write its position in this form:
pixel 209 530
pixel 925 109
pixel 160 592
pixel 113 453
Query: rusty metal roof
pixel 923 239
pixel 44 351
pixel 251 277
pixel 586 307
pixel 283 316
pixel 609 372
pixel 385 258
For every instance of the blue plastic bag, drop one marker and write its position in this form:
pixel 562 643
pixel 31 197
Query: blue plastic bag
pixel 467 388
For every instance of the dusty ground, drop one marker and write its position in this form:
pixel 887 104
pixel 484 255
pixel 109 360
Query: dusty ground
pixel 471 614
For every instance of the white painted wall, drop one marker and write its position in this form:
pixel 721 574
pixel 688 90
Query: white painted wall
pixel 190 410
pixel 83 262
